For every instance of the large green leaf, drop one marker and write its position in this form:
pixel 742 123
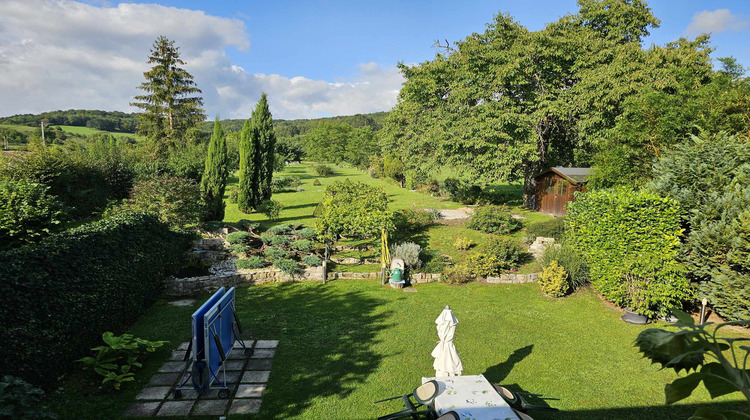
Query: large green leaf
pixel 681 388
pixel 717 380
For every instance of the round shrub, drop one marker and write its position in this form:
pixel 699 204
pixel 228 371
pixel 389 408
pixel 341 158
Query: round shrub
pixel 410 221
pixel 483 265
pixel 553 280
pixel 271 208
pixel 275 253
pixel 493 219
pixel 238 237
pixel 307 233
pixel 462 244
pixel 409 252
pixel 322 170
pixel 506 251
pixel 287 266
pixel 459 273
pixel 252 263
pixel 275 240
pixel 312 260
pixel 302 245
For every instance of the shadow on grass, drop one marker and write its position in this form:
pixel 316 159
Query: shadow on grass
pixel 496 374
pixel 662 412
pixel 301 206
pixel 326 339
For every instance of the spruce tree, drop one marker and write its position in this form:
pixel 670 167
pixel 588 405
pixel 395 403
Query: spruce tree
pixel 263 128
pixel 248 192
pixel 169 109
pixel 214 180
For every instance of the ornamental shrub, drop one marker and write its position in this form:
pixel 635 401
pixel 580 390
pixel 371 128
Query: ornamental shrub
pixel 275 253
pixel 569 258
pixel 275 240
pixel 302 245
pixel 60 293
pixel 506 251
pixel 238 237
pixel 307 233
pixel 316 183
pixel 27 213
pixel 630 242
pixel 253 263
pixel 408 222
pixel 552 228
pixel 553 280
pixel 459 273
pixel 312 260
pixel 353 209
pixel 493 219
pixel 285 183
pixel 281 229
pixel 233 195
pixel 409 252
pixel 483 265
pixel 462 244
pixel 240 249
pixel 271 208
pixel 287 266
pixel 322 170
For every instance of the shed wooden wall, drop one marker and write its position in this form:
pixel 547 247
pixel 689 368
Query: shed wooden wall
pixel 553 192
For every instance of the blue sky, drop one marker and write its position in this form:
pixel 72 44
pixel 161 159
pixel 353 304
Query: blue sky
pixel 314 58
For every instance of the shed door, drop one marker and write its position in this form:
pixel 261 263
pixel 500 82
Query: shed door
pixel 555 197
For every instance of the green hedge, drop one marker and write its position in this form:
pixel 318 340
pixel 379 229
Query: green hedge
pixel 60 294
pixel 630 240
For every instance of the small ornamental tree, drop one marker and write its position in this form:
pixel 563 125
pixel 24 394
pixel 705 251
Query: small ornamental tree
pixel 262 123
pixel 215 174
pixel 352 209
pixel 248 191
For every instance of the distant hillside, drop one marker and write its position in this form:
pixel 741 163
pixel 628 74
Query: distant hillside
pixel 290 128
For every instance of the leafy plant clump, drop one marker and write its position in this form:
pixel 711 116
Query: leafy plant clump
pixel 238 237
pixel 275 240
pixel 312 260
pixel 302 245
pixel 506 251
pixel 117 360
pixel 493 219
pixel 458 274
pixel 287 266
pixel 483 265
pixel 407 222
pixel 322 170
pixel 285 183
pixel 307 233
pixel 21 400
pixel 253 263
pixel 409 252
pixel 571 259
pixel 177 201
pixel 435 213
pixel 463 244
pixel 275 253
pixel 271 208
pixel 28 212
pixel 553 280
pixel 280 229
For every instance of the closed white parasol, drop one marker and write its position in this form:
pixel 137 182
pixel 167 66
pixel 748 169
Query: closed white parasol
pixel 447 362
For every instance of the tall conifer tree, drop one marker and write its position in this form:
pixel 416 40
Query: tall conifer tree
pixel 263 128
pixel 248 193
pixel 215 174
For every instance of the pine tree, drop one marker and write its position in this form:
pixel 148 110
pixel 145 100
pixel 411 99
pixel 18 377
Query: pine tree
pixel 248 192
pixel 263 128
pixel 169 110
pixel 215 175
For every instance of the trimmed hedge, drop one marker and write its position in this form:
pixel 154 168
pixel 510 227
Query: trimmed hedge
pixel 630 240
pixel 60 294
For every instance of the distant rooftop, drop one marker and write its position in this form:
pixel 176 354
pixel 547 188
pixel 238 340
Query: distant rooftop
pixel 577 175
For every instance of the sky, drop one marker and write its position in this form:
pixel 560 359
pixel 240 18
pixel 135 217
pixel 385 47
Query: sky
pixel 312 58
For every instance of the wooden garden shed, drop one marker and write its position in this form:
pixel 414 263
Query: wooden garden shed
pixel 555 188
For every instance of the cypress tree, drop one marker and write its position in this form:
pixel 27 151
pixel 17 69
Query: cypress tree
pixel 248 193
pixel 214 180
pixel 266 138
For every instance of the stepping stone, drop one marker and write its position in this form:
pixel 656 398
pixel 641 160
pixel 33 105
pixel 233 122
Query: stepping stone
pixel 141 409
pixel 250 391
pixel 245 406
pixel 248 343
pixel 172 367
pixel 187 394
pixel 410 290
pixel 210 408
pixel 256 376
pixel 259 364
pixel 183 346
pixel 177 355
pixel 263 353
pixel 266 344
pixel 175 408
pixel 153 393
pixel 234 364
pixel 182 302
pixel 163 379
pixel 233 377
pixel 213 394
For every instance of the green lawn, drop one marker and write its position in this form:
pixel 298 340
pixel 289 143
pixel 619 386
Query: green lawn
pixel 350 342
pixel 299 205
pixel 88 131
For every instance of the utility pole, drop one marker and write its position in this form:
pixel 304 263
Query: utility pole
pixel 43 142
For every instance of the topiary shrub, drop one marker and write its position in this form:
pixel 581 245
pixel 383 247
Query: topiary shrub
pixel 409 252
pixel 317 183
pixel 238 237
pixel 275 240
pixel 506 251
pixel 630 242
pixel 462 244
pixel 275 253
pixel 253 263
pixel 302 245
pixel 459 273
pixel 322 170
pixel 271 208
pixel 307 233
pixel 553 280
pixel 569 258
pixel 493 219
pixel 312 260
pixel 288 266
pixel 552 228
pixel 27 213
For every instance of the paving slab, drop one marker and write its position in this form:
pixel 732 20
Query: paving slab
pixel 256 376
pixel 187 394
pixel 234 364
pixel 245 406
pixel 213 394
pixel 248 343
pixel 142 409
pixel 183 345
pixel 181 302
pixel 263 353
pixel 210 408
pixel 176 408
pixel 250 391
pixel 177 355
pixel 259 364
pixel 153 393
pixel 172 367
pixel 266 344
pixel 163 379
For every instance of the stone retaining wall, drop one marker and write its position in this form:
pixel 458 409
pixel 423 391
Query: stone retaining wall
pixel 514 278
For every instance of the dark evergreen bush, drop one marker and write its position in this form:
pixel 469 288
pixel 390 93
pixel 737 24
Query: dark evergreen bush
pixel 493 219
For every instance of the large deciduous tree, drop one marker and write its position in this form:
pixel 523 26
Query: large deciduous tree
pixel 170 105
pixel 215 174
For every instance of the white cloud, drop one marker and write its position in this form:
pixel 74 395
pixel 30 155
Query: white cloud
pixel 61 54
pixel 717 21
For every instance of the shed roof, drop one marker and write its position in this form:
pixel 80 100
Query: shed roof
pixel 575 175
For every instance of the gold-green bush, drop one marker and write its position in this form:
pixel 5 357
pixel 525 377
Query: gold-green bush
pixel 553 280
